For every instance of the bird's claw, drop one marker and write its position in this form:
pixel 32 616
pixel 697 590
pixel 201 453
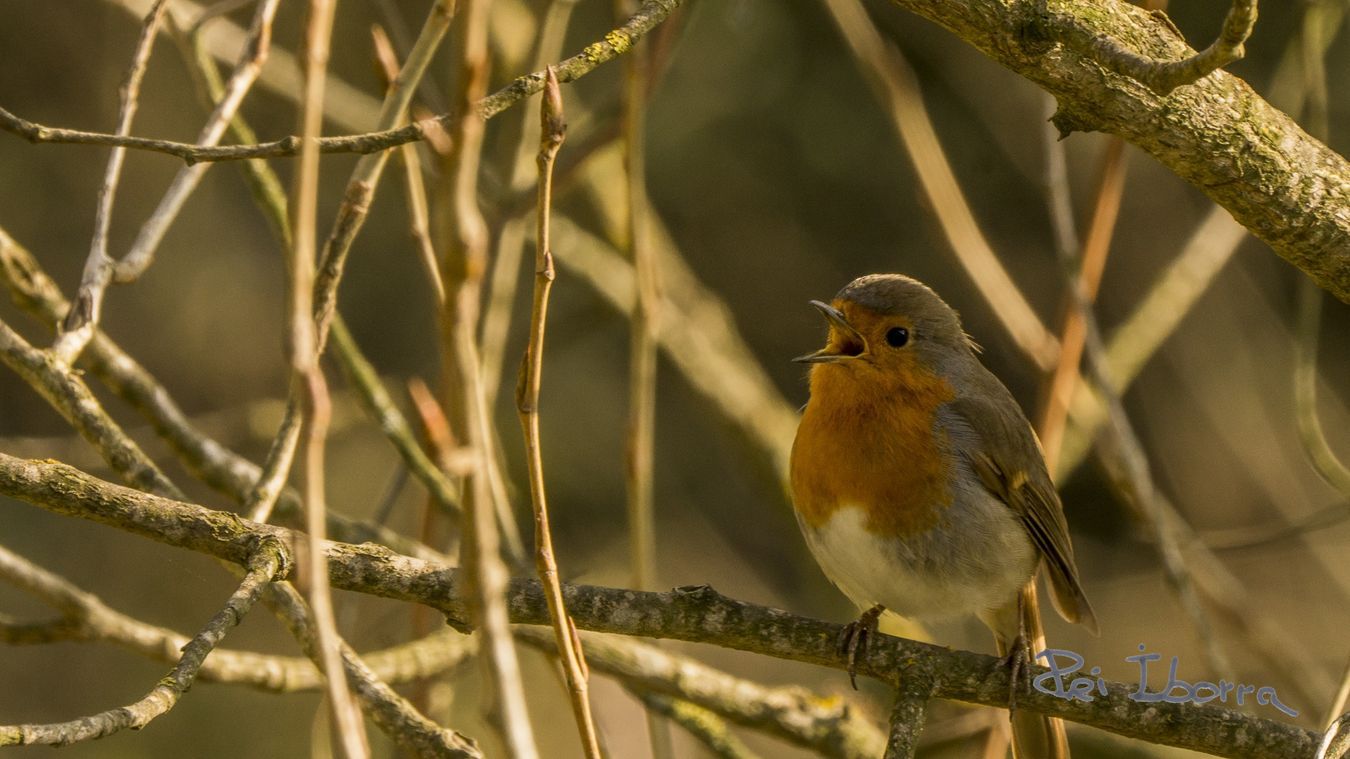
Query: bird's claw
pixel 854 637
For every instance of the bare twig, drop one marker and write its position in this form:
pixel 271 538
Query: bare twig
pixel 552 132
pixel 267 562
pixel 351 217
pixel 895 85
pixel 613 44
pixel 99 265
pixel 246 71
pixel 391 712
pixel 306 374
pixel 644 322
pixel 1164 76
pixel 464 240
pixel 1090 264
pixel 418 223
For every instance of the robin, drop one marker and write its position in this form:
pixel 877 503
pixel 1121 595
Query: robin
pixel 920 485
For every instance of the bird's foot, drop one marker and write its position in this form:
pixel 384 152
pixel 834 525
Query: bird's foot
pixel 854 637
pixel 1016 662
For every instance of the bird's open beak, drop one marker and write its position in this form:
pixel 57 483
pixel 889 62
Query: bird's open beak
pixel 847 344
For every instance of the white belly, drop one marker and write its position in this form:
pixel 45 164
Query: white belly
pixel 943 572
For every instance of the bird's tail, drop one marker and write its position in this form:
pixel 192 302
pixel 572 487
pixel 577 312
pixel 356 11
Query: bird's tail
pixel 1034 736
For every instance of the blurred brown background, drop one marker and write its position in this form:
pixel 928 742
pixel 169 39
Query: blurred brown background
pixel 780 179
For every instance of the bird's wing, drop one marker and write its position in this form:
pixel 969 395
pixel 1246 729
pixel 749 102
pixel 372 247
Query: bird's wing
pixel 1008 459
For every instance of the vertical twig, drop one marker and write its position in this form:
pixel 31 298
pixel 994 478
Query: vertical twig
pixel 1090 265
pixel 301 346
pixel 511 240
pixel 465 242
pixel 552 131
pixel 1310 296
pixel 642 387
pixel 641 443
pixel 99 265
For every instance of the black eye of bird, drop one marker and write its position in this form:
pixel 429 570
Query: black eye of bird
pixel 896 337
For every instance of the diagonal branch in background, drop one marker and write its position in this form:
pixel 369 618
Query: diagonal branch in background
pixel 612 45
pixel 267 562
pixel 1217 134
pixel 897 88
pixel 691 613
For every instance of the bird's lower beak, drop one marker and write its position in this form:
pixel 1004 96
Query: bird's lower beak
pixel 845 341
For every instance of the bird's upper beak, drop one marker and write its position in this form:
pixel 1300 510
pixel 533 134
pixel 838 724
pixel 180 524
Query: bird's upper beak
pixel 847 344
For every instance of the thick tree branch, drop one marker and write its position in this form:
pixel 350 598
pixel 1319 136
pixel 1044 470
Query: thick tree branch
pixel 1290 190
pixel 690 613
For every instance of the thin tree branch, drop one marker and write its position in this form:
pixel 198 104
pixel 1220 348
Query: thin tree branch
pixel 552 132
pixel 267 562
pixel 98 267
pixel 510 243
pixel 391 712
pixel 302 348
pixel 690 613
pixel 1089 264
pixel 418 218
pixel 615 43
pixel 463 236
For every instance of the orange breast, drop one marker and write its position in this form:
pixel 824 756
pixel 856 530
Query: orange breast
pixel 873 445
